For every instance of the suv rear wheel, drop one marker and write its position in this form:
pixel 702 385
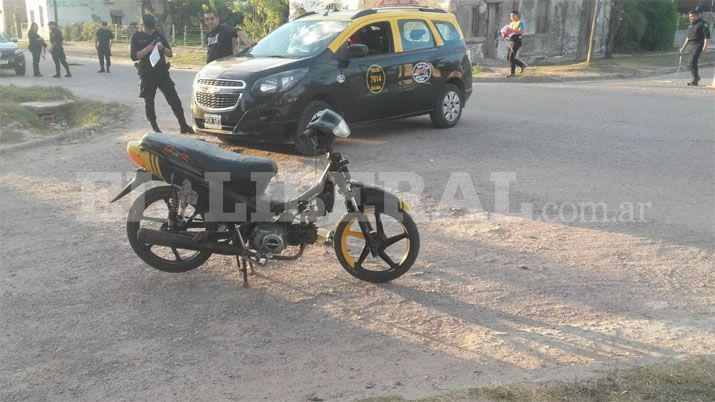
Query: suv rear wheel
pixel 310 110
pixel 448 110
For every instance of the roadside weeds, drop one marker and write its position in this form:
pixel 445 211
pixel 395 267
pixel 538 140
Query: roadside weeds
pixel 689 380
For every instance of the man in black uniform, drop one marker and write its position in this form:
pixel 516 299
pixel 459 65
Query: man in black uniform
pixel 221 39
pixel 103 44
pixel 154 72
pixel 57 50
pixel 699 39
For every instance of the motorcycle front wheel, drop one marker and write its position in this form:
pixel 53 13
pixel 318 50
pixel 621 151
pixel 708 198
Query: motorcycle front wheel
pixel 151 210
pixel 397 239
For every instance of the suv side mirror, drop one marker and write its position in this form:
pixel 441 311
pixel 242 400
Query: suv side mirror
pixel 357 51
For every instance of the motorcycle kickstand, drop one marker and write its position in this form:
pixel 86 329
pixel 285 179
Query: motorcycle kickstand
pixel 241 262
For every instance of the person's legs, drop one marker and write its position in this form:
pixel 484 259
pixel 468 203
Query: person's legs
pixel 36 62
pixel 56 60
pixel 100 55
pixel 696 50
pixel 108 56
pixel 511 56
pixel 63 59
pixel 147 90
pixel 167 87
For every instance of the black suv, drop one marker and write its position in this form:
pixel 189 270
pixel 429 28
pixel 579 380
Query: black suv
pixel 367 65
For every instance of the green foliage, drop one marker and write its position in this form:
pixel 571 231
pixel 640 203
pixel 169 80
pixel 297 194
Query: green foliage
pixel 12 112
pixel 17 94
pixel 80 31
pixel 191 12
pixel 647 25
pixel 260 17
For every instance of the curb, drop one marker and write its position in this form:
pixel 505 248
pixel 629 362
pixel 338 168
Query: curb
pixel 553 78
pixel 72 133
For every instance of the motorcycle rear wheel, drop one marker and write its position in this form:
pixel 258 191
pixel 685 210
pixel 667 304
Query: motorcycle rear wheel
pixel 399 244
pixel 160 257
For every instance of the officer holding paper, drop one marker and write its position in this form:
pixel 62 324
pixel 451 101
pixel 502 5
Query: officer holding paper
pixel 149 49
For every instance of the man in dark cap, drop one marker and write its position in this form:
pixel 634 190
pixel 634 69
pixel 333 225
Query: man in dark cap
pixel 698 39
pixel 149 49
pixel 103 43
pixel 57 50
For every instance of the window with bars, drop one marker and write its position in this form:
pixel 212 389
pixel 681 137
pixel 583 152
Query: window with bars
pixel 542 16
pixel 475 22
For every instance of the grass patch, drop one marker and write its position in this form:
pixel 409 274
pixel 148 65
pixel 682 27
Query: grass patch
pixel 17 94
pixel 477 69
pixel 84 112
pixel 19 123
pixel 692 380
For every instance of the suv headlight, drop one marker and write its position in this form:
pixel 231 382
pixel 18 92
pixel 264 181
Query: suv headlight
pixel 279 82
pixel 18 52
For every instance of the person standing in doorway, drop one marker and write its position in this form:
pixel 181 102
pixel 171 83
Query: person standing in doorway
pixel 104 39
pixel 36 46
pixel 57 50
pixel 149 49
pixel 221 39
pixel 698 39
pixel 516 29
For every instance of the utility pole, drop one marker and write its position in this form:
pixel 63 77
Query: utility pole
pixel 592 36
pixel 54 5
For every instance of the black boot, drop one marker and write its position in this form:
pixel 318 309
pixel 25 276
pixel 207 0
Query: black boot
pixel 154 126
pixel 107 68
pixel 186 129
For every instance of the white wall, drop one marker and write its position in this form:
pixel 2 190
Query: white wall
pixel 38 8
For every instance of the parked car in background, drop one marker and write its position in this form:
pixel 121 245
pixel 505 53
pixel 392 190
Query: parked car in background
pixel 11 55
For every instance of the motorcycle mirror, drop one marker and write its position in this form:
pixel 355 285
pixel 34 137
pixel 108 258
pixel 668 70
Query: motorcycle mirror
pixel 342 130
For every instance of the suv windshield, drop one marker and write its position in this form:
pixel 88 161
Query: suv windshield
pixel 3 38
pixel 298 39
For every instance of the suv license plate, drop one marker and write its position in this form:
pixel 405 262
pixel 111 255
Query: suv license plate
pixel 4 61
pixel 212 121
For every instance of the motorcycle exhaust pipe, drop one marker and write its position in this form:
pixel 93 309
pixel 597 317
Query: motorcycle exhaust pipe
pixel 159 238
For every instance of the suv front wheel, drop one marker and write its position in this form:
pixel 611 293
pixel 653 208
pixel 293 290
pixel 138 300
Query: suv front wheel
pixel 309 112
pixel 448 110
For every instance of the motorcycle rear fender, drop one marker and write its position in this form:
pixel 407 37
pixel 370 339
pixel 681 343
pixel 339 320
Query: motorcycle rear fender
pixel 141 176
pixel 366 194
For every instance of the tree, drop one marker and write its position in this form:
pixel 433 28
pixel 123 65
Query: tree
pixel 260 17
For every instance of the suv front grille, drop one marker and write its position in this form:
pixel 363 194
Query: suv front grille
pixel 217 101
pixel 222 83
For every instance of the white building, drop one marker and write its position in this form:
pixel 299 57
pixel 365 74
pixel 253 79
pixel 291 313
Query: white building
pixel 114 12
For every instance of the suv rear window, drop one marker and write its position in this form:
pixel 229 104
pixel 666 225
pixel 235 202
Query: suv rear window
pixel 415 35
pixel 447 31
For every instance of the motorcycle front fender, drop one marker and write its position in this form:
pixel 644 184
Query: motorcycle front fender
pixel 141 176
pixel 366 194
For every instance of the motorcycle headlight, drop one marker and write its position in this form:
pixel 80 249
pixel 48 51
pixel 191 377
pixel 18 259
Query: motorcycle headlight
pixel 18 52
pixel 279 82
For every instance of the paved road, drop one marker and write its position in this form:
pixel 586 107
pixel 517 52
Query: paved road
pixel 84 318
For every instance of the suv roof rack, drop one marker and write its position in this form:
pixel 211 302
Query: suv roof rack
pixel 305 15
pixel 369 11
pixel 363 13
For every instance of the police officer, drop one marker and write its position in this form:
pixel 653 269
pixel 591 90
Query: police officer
pixel 221 40
pixel 57 50
pixel 104 38
pixel 155 75
pixel 698 38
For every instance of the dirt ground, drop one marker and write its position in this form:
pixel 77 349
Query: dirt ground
pixel 489 300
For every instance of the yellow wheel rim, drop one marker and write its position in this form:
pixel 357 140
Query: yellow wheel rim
pixel 348 232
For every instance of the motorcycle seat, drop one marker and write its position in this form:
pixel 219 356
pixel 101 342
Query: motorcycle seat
pixel 202 157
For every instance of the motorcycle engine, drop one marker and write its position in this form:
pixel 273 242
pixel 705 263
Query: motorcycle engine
pixel 269 239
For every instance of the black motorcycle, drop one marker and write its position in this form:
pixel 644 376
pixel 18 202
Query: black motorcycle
pixel 216 202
